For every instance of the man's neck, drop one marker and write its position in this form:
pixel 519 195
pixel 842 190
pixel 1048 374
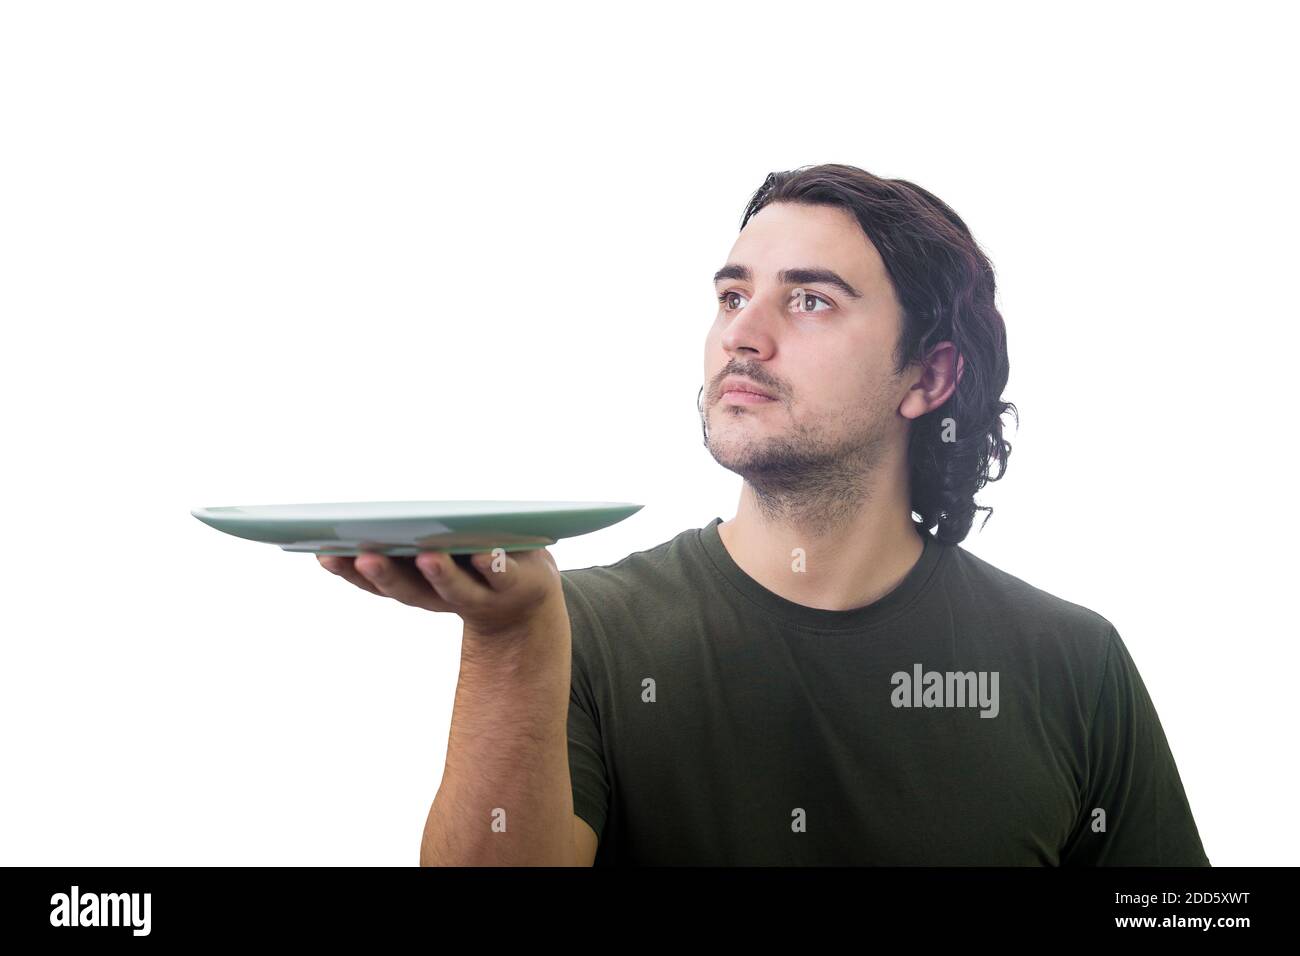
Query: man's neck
pixel 840 565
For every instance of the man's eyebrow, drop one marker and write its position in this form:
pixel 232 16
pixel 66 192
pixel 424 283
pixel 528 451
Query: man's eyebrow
pixel 806 276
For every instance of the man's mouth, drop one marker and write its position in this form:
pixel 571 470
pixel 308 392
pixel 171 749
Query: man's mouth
pixel 740 391
pixel 740 396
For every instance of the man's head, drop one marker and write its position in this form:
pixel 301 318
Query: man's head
pixel 864 308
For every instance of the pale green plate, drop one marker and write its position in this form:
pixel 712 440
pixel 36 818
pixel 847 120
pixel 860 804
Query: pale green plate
pixel 405 528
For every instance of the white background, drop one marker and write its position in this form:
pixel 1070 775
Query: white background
pixel 257 253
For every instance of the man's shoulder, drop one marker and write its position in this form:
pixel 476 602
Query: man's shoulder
pixel 639 582
pixel 1014 600
pixel 665 559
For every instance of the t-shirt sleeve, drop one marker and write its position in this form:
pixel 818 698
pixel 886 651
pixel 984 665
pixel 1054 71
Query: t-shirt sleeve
pixel 1135 812
pixel 586 766
pixel 586 751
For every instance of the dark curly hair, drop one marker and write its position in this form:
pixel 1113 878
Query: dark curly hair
pixel 945 284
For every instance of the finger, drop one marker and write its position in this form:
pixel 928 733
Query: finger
pixel 454 584
pixel 499 571
pixel 342 565
pixel 536 562
pixel 400 580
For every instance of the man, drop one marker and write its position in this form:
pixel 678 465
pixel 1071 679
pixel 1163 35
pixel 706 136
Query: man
pixel 822 679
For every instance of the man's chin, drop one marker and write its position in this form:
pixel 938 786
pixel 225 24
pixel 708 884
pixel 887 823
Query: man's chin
pixel 743 461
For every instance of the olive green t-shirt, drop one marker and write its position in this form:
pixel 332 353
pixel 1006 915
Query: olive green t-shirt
pixel 965 718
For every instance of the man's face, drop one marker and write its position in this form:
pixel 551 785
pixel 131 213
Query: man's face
pixel 825 354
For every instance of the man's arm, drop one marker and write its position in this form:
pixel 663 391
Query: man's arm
pixel 1135 812
pixel 506 797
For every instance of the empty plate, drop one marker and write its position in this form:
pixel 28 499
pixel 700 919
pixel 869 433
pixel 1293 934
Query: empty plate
pixel 405 528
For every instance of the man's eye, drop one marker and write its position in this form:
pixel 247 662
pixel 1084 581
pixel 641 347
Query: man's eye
pixel 806 296
pixel 800 294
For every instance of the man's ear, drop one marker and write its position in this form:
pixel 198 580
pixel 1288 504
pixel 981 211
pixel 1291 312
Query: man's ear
pixel 940 371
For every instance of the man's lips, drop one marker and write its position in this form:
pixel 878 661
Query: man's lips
pixel 740 391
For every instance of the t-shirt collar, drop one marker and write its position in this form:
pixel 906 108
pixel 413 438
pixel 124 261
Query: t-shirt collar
pixel 820 618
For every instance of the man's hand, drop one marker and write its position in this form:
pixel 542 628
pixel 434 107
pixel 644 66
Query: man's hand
pixel 493 594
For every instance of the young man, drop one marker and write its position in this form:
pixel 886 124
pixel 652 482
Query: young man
pixel 818 680
pixel 828 677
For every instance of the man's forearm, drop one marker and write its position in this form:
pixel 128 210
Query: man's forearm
pixel 506 798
